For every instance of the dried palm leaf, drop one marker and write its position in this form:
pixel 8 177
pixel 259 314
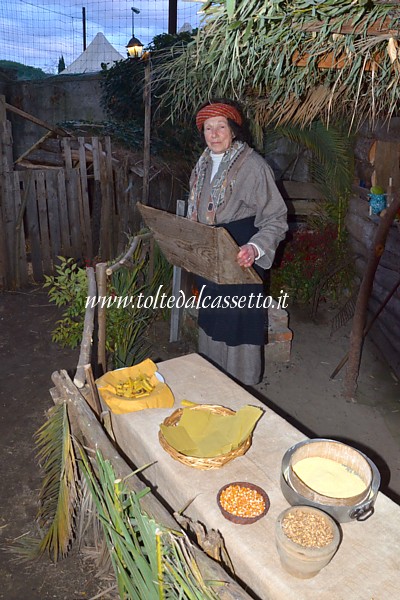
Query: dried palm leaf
pixel 59 493
pixel 345 313
pixel 247 47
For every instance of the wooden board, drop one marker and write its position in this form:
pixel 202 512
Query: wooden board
pixel 387 164
pixel 302 190
pixel 108 209
pixel 43 222
pixel 9 217
pixel 63 213
pixel 97 198
pixel 366 565
pixel 206 251
pixel 72 181
pixel 122 206
pixel 84 207
pixel 32 224
pixel 302 198
pixel 21 273
pixel 53 214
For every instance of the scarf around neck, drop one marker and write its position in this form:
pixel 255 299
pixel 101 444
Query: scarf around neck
pixel 219 183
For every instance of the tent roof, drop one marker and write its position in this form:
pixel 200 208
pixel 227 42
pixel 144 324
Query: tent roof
pixel 99 51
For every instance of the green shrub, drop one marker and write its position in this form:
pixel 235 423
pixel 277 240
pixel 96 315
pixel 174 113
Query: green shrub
pixel 126 326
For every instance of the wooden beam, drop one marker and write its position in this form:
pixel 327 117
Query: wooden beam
pixel 301 208
pixel 101 279
pixel 28 117
pixel 85 354
pixel 147 130
pixel 381 26
pixel 302 190
pixel 331 60
pixel 176 312
pixel 35 145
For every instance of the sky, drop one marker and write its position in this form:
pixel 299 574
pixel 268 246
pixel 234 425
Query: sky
pixel 38 32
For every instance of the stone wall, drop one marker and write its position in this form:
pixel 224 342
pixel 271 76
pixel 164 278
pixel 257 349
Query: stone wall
pixel 53 100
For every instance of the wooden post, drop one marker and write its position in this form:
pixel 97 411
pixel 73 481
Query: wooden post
pixel 108 202
pixel 147 122
pixel 88 327
pixel 7 212
pixel 84 209
pixel 97 197
pixel 71 185
pixel 101 279
pixel 176 313
pixel 43 222
pixel 360 313
pixel 4 275
pixel 172 16
pixel 21 270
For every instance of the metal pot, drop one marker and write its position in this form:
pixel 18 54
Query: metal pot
pixel 359 512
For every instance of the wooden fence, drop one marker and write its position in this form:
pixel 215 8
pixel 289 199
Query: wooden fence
pixel 84 209
pixel 71 197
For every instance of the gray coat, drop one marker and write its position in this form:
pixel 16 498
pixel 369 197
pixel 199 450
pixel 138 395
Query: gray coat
pixel 251 191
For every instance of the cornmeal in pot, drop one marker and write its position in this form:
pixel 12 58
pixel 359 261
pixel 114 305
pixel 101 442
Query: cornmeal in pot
pixel 329 478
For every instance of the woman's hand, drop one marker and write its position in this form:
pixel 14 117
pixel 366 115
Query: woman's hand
pixel 246 255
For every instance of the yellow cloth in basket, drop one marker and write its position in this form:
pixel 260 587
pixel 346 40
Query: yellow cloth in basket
pixel 160 397
pixel 203 434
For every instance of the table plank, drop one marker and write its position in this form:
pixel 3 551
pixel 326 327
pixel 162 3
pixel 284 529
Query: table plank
pixel 367 563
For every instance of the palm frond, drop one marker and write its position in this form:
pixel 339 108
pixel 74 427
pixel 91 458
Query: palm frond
pixel 59 492
pixel 130 323
pixel 331 161
pixel 345 313
pixel 149 560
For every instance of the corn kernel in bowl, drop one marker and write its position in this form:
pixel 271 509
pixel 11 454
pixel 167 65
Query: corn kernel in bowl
pixel 243 502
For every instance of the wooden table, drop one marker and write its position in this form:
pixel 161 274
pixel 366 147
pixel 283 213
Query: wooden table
pixel 367 564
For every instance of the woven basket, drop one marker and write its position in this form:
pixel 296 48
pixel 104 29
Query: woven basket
pixel 214 462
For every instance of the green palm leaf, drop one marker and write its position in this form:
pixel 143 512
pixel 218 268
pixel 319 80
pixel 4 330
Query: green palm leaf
pixel 149 560
pixel 331 158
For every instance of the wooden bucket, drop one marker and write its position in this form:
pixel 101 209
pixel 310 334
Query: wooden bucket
pixel 339 452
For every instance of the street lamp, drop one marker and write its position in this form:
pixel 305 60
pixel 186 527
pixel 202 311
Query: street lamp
pixel 134 46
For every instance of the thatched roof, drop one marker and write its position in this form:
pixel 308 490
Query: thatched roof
pixel 293 61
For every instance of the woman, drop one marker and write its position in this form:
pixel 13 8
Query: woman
pixel 232 186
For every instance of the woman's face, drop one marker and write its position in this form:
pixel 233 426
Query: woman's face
pixel 218 134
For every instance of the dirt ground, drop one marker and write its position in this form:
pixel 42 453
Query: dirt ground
pixel 300 390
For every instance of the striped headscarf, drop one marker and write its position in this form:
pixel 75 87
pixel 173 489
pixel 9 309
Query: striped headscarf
pixel 218 110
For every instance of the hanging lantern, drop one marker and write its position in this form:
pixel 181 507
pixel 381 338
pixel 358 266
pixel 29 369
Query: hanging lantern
pixel 134 47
